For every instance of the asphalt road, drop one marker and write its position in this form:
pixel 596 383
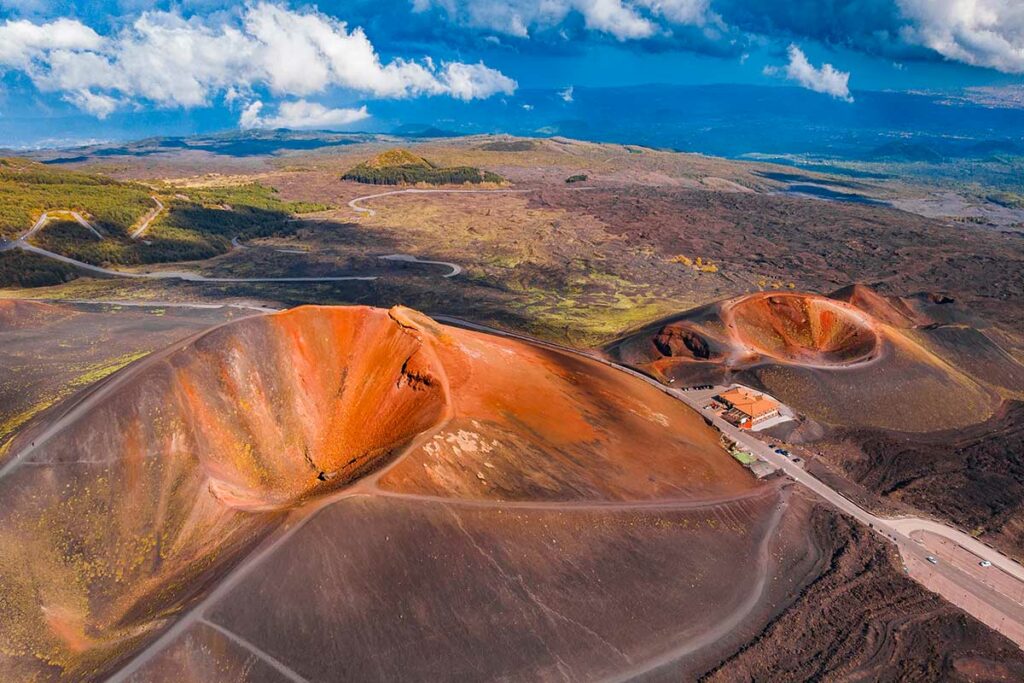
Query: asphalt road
pixel 967 585
pixel 141 230
pixel 355 203
pixel 22 244
pixel 406 258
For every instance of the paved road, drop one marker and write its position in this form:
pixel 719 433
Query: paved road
pixel 169 275
pixel 44 219
pixel 989 606
pixel 144 226
pixel 354 204
pixel 455 268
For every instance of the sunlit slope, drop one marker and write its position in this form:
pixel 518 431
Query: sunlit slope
pixel 130 505
pixel 853 359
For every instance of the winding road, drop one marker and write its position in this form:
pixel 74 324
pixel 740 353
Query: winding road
pixel 148 218
pixel 967 587
pixel 46 218
pixel 23 244
pixel 355 203
pixel 406 258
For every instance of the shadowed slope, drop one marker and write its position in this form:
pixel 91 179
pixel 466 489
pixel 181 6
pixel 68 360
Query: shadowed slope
pixel 149 491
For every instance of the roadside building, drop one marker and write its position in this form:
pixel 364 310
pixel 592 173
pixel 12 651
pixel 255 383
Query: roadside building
pixel 747 409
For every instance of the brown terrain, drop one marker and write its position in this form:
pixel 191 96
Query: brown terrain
pixel 902 396
pixel 860 618
pixel 136 501
pixel 48 352
pixel 363 493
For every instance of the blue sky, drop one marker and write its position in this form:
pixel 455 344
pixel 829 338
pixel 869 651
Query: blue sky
pixel 79 69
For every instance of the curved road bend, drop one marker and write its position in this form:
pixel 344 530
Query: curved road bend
pixel 149 218
pixel 406 258
pixel 43 220
pixel 354 204
pixel 172 275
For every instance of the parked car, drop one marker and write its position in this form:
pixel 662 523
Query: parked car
pixel 985 563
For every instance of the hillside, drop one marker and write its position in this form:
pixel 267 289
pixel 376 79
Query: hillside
pixel 92 218
pixel 141 498
pixel 402 167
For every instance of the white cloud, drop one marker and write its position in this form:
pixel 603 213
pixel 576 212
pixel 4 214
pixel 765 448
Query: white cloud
pixel 623 19
pixel 175 62
pixel 826 79
pixel 301 114
pixel 250 117
pixel 988 33
pixel 567 94
pixel 22 41
pixel 474 81
pixel 99 105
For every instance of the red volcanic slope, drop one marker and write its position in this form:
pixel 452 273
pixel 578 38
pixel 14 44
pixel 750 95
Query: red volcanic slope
pixel 802 328
pixel 159 482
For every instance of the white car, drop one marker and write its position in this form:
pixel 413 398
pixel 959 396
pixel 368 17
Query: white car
pixel 984 563
pixel 932 559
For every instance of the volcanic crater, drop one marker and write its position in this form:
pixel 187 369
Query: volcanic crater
pixel 802 328
pixel 148 490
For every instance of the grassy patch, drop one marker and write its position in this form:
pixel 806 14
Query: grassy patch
pixel 198 223
pixel 27 189
pixel 402 167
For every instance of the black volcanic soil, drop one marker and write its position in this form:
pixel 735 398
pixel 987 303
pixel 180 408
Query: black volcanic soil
pixel 818 245
pixel 973 477
pixel 862 619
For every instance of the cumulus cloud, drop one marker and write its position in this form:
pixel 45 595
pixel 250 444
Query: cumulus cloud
pixel 300 114
pixel 623 19
pixel 826 79
pixel 22 41
pixel 988 33
pixel 171 61
pixel 474 81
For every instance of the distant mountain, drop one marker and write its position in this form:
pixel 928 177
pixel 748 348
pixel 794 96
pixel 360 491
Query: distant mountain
pixel 230 143
pixel 420 130
pixel 722 120
pixel 904 150
pixel 730 120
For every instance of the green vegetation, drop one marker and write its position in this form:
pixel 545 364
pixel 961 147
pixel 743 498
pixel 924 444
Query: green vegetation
pixel 27 189
pixel 199 226
pixel 510 146
pixel 698 264
pixel 1010 200
pixel 402 167
pixel 23 269
pixel 744 457
pixel 578 178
